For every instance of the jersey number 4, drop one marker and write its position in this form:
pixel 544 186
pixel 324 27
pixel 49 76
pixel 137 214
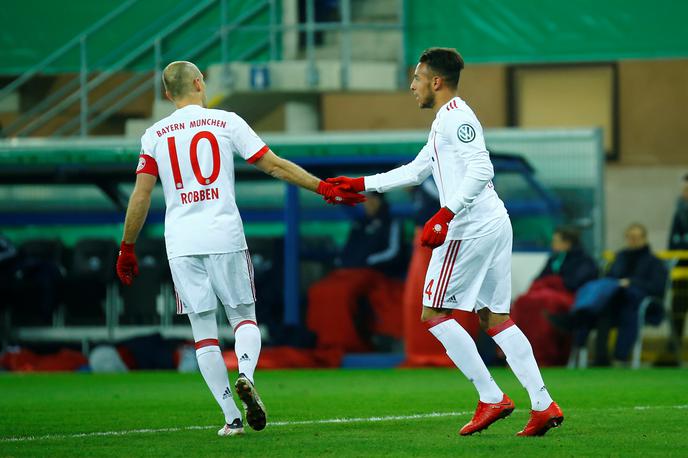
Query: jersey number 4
pixel 428 290
pixel 193 157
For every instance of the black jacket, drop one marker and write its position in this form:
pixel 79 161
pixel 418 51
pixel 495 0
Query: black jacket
pixel 678 238
pixel 375 242
pixel 645 271
pixel 577 269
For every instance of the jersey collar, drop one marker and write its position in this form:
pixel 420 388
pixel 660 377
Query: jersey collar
pixel 451 104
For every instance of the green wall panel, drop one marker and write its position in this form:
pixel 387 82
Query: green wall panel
pixel 548 30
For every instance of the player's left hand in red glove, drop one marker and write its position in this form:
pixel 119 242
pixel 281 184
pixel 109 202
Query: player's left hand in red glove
pixel 127 264
pixel 435 230
pixel 339 195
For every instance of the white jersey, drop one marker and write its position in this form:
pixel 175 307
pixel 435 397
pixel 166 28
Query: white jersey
pixel 192 151
pixel 459 162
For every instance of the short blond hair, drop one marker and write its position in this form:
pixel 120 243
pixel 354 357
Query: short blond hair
pixel 178 78
pixel 642 229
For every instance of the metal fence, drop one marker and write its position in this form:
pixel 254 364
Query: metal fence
pixel 95 71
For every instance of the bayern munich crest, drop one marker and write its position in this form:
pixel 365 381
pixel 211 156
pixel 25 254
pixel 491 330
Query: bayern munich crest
pixel 466 133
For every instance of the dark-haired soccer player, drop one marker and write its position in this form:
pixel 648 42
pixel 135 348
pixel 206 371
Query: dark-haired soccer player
pixel 471 237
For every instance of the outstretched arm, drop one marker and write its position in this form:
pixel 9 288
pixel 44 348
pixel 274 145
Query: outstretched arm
pixel 250 146
pixel 286 170
pixel 412 173
pixel 409 174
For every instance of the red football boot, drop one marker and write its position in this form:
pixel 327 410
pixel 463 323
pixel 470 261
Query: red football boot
pixel 486 414
pixel 541 422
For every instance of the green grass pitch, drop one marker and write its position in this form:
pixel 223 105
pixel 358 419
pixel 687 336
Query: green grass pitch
pixel 403 412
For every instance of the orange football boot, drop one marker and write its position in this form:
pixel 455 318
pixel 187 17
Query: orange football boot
pixel 543 421
pixel 486 414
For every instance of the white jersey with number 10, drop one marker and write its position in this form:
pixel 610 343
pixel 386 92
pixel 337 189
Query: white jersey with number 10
pixel 192 152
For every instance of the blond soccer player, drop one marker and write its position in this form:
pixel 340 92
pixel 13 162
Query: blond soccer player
pixel 191 152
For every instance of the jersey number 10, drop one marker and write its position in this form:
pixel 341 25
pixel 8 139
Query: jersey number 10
pixel 193 157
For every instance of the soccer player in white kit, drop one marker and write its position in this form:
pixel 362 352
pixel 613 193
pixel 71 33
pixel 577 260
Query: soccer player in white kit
pixel 192 151
pixel 471 237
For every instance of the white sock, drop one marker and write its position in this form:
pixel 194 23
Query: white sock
pixel 214 373
pixel 519 355
pixel 462 351
pixel 247 347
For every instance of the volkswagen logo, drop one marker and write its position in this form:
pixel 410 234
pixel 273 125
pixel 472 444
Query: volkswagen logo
pixel 466 133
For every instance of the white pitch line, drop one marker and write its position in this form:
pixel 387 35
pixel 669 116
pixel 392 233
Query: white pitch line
pixel 684 406
pixel 283 423
pixel 420 416
pixel 275 423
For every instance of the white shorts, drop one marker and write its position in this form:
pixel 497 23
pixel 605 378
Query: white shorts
pixel 200 281
pixel 471 274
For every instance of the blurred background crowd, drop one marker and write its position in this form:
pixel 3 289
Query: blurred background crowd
pixel 584 106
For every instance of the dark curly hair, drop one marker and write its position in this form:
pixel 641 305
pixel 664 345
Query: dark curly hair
pixel 445 62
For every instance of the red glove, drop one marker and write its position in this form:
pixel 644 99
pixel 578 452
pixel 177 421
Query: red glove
pixel 339 194
pixel 127 265
pixel 348 184
pixel 435 230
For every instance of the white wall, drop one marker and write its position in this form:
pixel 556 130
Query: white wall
pixel 642 194
pixel 524 268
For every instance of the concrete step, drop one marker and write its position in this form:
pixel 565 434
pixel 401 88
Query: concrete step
pixel 285 76
pixel 137 106
pixel 375 11
pixel 365 45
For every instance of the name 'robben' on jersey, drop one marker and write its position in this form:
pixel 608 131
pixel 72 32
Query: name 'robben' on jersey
pixel 192 152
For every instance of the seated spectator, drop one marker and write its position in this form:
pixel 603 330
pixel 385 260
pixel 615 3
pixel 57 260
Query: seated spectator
pixel 614 301
pixel 371 255
pixel 678 240
pixel 552 292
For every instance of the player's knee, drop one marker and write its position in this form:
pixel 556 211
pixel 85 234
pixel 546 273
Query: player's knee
pixel 241 314
pixel 429 314
pixel 489 319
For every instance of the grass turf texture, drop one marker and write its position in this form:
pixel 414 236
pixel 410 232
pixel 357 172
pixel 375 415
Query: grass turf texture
pixel 608 413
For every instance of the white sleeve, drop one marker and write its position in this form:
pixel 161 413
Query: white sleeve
pixel 147 144
pixel 147 162
pixel 246 142
pixel 412 173
pixel 466 135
